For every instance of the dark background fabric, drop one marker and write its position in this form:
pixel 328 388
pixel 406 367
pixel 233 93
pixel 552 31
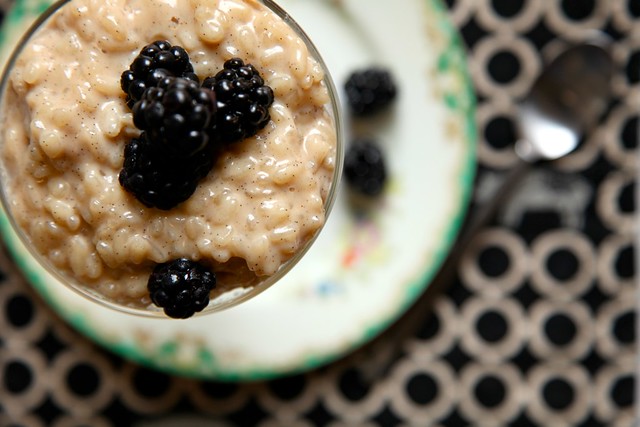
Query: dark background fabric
pixel 537 330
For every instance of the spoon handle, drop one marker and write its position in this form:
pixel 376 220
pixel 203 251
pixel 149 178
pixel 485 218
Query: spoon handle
pixel 484 214
pixel 416 316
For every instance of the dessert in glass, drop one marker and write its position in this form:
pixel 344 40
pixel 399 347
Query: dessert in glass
pixel 168 158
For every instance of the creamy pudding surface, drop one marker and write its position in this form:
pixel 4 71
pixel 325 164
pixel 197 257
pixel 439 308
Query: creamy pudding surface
pixel 65 123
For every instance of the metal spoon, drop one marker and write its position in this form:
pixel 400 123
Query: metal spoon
pixel 564 104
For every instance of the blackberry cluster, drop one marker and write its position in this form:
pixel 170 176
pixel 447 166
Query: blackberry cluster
pixel 178 114
pixel 183 123
pixel 369 91
pixel 155 62
pixel 183 126
pixel 181 287
pixel 243 101
pixel 364 168
pixel 159 180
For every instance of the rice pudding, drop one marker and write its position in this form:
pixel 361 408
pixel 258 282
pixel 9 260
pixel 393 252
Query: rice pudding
pixel 65 122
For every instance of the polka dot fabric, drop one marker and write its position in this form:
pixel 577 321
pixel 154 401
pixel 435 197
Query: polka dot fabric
pixel 537 330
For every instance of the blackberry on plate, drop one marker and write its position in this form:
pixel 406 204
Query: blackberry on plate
pixel 243 100
pixel 158 179
pixel 364 168
pixel 177 114
pixel 155 61
pixel 181 287
pixel 369 90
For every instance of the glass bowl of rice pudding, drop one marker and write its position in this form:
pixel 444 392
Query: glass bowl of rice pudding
pixel 66 122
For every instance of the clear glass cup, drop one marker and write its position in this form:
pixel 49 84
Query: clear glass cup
pixel 41 271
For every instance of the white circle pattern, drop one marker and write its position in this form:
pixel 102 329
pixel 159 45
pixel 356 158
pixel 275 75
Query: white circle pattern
pixel 573 287
pixel 577 347
pixel 577 378
pixel 517 270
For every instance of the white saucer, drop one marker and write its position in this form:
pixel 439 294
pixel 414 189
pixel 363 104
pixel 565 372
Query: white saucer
pixel 365 270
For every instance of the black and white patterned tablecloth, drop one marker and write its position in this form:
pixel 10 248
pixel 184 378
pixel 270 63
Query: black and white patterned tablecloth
pixel 537 330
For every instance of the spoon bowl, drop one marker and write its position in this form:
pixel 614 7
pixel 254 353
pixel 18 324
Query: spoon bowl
pixel 565 102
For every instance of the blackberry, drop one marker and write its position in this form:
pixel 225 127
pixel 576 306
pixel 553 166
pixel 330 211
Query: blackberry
pixel 155 62
pixel 369 91
pixel 159 180
pixel 243 100
pixel 364 168
pixel 176 114
pixel 181 287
